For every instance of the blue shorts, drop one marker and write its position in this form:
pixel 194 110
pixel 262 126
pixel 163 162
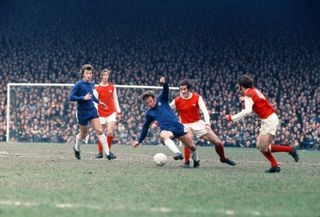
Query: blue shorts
pixel 178 130
pixel 179 133
pixel 83 117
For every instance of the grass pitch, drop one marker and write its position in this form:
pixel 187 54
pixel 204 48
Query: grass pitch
pixel 46 180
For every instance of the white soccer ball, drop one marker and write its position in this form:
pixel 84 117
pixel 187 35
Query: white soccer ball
pixel 160 159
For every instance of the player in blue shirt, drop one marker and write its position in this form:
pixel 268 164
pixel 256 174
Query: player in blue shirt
pixel 82 92
pixel 168 122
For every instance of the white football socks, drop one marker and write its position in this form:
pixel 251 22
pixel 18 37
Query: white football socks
pixel 77 145
pixel 103 141
pixel 170 144
pixel 194 155
pixel 86 140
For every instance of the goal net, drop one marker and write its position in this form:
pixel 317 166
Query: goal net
pixel 43 113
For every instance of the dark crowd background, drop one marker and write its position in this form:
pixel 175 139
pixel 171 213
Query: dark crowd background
pixel 210 42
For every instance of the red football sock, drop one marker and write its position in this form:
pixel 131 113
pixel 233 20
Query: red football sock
pixel 270 158
pixel 220 152
pixel 109 139
pixel 280 148
pixel 100 148
pixel 186 154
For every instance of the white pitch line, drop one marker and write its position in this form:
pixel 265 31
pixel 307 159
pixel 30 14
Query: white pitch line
pixel 161 209
pixel 120 207
pixel 256 213
pixel 101 207
pixel 72 206
pixel 18 203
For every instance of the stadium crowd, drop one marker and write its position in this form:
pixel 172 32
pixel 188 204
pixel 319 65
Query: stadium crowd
pixel 204 46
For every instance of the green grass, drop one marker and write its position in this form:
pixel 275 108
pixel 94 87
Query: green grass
pixel 46 180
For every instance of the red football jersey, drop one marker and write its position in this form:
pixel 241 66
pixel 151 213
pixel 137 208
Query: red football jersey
pixel 261 105
pixel 188 109
pixel 105 95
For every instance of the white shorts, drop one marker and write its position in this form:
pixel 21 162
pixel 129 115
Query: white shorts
pixel 110 118
pixel 269 125
pixel 198 128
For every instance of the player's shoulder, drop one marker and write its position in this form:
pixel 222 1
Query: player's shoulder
pixel 148 112
pixel 112 86
pixel 79 82
pixel 250 92
pixel 195 95
pixel 105 86
pixel 178 98
pixel 99 86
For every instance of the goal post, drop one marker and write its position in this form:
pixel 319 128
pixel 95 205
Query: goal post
pixel 34 108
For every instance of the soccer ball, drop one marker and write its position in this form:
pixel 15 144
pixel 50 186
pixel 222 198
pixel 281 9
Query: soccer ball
pixel 160 159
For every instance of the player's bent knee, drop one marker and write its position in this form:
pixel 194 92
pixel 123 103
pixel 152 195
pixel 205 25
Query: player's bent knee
pixel 218 144
pixel 190 145
pixel 109 133
pixel 166 135
pixel 258 146
pixel 193 148
pixel 83 135
pixel 99 132
pixel 262 148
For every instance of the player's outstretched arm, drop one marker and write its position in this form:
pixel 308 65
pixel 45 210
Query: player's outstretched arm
pixel 164 96
pixel 162 80
pixel 245 112
pixel 144 131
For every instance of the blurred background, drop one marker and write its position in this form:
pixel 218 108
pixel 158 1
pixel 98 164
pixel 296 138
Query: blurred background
pixel 210 42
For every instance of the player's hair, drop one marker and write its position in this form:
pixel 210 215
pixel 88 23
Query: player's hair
pixel 103 71
pixel 185 82
pixel 245 81
pixel 85 67
pixel 147 94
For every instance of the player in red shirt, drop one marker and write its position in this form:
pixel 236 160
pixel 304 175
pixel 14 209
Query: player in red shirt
pixel 189 105
pixel 255 101
pixel 106 92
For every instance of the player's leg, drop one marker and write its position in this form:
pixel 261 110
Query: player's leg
pixel 284 148
pixel 83 133
pixel 86 140
pixel 187 140
pixel 103 123
pixel 214 139
pixel 270 127
pixel 110 130
pixel 98 128
pixel 268 130
pixel 187 150
pixel 76 148
pixel 111 125
pixel 83 122
pixel 263 142
pixel 166 137
pixel 100 148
